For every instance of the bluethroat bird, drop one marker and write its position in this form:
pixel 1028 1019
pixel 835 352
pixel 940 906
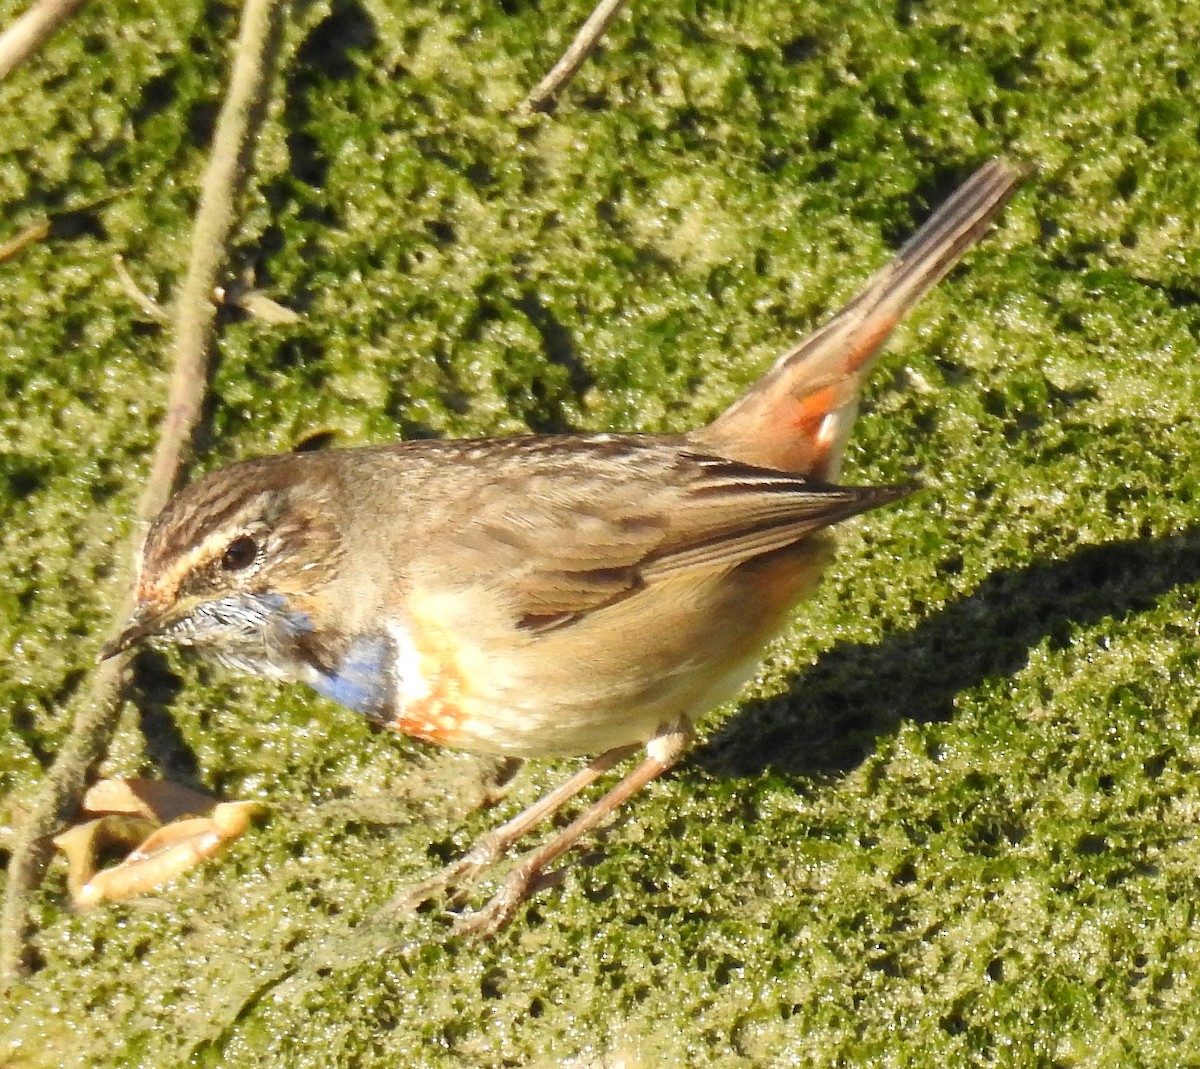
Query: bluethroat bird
pixel 543 595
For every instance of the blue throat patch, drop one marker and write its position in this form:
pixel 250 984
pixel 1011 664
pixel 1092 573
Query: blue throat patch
pixel 362 680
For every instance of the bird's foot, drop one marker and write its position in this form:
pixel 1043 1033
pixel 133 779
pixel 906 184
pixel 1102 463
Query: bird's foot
pixel 452 882
pixel 486 921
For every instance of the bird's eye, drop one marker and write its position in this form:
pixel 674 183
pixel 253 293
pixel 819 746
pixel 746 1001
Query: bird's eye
pixel 241 553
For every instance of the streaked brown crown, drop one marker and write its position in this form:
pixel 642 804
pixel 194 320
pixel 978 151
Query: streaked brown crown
pixel 243 527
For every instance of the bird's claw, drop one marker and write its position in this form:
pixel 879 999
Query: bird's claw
pixel 453 881
pixel 500 908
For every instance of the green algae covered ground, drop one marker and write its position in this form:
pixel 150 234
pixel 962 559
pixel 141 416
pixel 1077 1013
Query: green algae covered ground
pixel 955 819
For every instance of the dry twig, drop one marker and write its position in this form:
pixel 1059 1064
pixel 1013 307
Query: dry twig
pixel 26 35
pixel 573 58
pixel 98 703
pixel 28 236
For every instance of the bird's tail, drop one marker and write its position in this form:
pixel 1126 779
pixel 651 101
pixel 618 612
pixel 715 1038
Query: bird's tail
pixel 798 416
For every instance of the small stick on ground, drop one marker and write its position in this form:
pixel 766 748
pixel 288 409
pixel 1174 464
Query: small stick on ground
pixel 573 58
pixel 97 704
pixel 152 309
pixel 28 236
pixel 27 34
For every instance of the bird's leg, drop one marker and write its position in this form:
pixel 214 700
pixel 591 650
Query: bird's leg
pixel 662 752
pixel 458 876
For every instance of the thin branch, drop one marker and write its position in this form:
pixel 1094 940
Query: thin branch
pixel 573 58
pixel 26 35
pixel 99 702
pixel 28 236
pixel 232 149
pixel 149 306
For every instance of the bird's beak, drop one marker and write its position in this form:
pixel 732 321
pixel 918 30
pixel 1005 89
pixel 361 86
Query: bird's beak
pixel 143 622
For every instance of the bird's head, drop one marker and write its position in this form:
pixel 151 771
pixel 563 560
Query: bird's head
pixel 236 562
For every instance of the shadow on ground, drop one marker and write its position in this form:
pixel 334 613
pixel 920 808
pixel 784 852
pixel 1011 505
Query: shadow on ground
pixel 832 714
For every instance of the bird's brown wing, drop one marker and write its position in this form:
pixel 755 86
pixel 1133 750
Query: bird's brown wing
pixel 566 539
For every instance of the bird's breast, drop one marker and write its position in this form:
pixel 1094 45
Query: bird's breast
pixel 404 677
pixel 362 679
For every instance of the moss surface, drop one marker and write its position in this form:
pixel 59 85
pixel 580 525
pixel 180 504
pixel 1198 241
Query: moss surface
pixel 953 822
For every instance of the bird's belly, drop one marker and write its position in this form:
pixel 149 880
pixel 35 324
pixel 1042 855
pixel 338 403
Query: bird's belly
pixel 571 720
pixel 612 678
